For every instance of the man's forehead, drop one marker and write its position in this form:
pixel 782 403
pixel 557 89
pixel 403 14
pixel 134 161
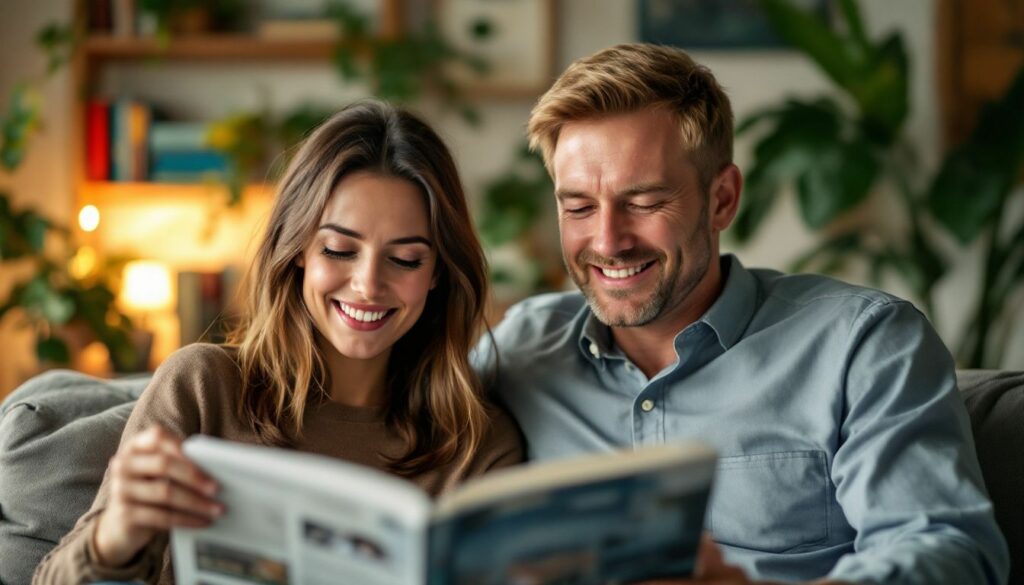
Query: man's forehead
pixel 616 153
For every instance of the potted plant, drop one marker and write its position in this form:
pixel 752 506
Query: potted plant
pixel 836 153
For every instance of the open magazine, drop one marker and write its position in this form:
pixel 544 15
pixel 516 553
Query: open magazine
pixel 295 518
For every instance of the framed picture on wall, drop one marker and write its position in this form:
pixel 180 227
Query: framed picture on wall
pixel 711 24
pixel 515 37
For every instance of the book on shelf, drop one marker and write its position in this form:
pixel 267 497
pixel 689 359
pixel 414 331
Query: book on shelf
pixel 292 517
pixel 129 151
pixel 204 304
pixel 97 140
pixel 173 135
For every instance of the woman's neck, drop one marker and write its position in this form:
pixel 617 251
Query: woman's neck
pixel 356 382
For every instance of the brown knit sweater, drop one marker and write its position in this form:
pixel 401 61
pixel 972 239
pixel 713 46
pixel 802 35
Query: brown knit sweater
pixel 196 391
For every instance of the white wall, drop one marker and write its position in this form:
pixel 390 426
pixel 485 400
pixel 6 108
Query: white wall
pixel 752 80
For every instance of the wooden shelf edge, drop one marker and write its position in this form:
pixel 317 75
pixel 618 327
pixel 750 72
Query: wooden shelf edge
pixel 102 193
pixel 207 47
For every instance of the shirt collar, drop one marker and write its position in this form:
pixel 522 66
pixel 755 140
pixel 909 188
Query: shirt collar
pixel 732 310
pixel 728 316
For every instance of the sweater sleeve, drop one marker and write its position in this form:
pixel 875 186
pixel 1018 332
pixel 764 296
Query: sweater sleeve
pixel 186 396
pixel 502 445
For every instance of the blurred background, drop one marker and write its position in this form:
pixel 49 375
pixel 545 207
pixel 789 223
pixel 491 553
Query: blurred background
pixel 882 141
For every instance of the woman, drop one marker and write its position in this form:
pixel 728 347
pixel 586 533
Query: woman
pixel 362 302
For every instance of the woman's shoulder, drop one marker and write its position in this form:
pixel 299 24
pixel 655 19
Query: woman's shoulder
pixel 198 381
pixel 502 443
pixel 200 358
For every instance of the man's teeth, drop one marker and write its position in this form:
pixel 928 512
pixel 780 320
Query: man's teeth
pixel 622 272
pixel 364 316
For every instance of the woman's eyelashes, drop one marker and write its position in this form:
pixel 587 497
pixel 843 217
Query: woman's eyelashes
pixel 341 254
pixel 408 264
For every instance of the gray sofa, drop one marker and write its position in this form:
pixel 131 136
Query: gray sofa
pixel 59 429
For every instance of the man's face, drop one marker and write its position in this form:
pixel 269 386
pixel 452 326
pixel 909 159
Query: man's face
pixel 637 233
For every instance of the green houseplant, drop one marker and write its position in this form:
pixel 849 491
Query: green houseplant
pixel 837 152
pixel 49 298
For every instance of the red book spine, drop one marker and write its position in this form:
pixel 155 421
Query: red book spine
pixel 97 145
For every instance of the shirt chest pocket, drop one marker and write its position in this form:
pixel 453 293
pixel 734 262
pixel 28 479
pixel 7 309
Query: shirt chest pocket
pixel 772 502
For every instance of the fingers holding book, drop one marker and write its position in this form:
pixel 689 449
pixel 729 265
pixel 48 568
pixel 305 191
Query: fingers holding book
pixel 153 488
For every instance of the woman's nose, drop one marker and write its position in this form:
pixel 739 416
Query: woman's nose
pixel 366 279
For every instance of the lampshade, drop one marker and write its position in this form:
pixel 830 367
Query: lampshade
pixel 146 286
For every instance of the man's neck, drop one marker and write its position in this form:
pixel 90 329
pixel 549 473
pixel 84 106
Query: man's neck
pixel 652 347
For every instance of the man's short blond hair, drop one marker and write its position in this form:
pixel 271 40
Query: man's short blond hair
pixel 627 78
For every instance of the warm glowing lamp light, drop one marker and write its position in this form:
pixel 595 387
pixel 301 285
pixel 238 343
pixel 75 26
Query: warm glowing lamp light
pixel 83 262
pixel 89 218
pixel 146 286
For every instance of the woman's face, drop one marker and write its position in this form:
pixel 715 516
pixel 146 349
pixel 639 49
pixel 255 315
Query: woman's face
pixel 370 264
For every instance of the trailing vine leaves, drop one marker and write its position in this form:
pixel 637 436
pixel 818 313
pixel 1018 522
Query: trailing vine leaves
pixel 400 69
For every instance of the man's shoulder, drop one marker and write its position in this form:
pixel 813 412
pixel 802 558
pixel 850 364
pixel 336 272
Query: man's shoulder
pixel 814 290
pixel 535 320
pixel 555 306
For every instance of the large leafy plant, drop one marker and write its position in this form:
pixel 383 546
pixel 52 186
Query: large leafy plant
pixel 835 151
pixel 49 298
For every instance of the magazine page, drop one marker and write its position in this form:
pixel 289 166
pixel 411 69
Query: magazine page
pixel 295 518
pixel 605 519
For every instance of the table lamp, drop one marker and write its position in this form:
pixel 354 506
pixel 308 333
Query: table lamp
pixel 145 289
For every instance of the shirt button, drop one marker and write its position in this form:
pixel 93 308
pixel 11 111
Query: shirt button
pixel 647 405
pixel 594 350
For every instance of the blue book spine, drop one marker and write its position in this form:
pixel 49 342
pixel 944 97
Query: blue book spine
pixel 168 136
pixel 189 161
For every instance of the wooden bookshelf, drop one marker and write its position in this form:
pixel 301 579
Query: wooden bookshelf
pixel 208 47
pixel 123 194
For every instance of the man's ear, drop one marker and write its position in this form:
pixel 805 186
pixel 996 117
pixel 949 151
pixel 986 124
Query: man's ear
pixel 724 197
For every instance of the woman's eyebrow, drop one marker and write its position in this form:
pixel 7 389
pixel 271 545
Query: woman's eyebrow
pixel 358 236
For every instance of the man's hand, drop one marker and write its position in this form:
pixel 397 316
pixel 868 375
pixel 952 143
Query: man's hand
pixel 711 569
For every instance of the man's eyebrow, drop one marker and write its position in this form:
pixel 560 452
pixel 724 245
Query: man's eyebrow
pixel 645 188
pixel 358 236
pixel 562 194
pixel 638 189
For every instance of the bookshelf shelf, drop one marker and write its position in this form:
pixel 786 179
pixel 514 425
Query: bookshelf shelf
pixel 138 194
pixel 206 47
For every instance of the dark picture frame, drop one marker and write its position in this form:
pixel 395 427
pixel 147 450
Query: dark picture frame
pixel 711 24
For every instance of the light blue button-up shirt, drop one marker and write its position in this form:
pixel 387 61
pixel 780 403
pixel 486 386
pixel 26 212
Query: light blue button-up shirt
pixel 845 450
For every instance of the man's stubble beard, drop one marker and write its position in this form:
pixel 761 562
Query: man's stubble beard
pixel 668 291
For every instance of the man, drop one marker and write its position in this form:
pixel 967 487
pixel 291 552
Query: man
pixel 845 451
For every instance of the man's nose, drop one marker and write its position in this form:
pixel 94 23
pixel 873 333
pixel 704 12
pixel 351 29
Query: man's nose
pixel 613 234
pixel 366 278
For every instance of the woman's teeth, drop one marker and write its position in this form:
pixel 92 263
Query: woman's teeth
pixel 364 316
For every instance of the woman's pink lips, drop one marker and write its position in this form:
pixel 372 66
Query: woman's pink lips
pixel 362 325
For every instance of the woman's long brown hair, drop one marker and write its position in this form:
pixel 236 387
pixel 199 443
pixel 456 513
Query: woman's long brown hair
pixel 434 403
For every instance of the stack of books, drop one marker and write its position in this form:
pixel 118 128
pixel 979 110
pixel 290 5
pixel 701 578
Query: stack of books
pixel 124 143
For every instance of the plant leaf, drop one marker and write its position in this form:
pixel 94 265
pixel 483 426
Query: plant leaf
pixel 841 59
pixel 18 125
pixel 40 297
pixel 968 191
pixel 758 198
pixel 52 350
pixel 840 179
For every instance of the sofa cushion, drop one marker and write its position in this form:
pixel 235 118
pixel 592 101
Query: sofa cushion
pixel 57 433
pixel 995 402
pixel 73 423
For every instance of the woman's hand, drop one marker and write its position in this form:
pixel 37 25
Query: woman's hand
pixel 153 487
